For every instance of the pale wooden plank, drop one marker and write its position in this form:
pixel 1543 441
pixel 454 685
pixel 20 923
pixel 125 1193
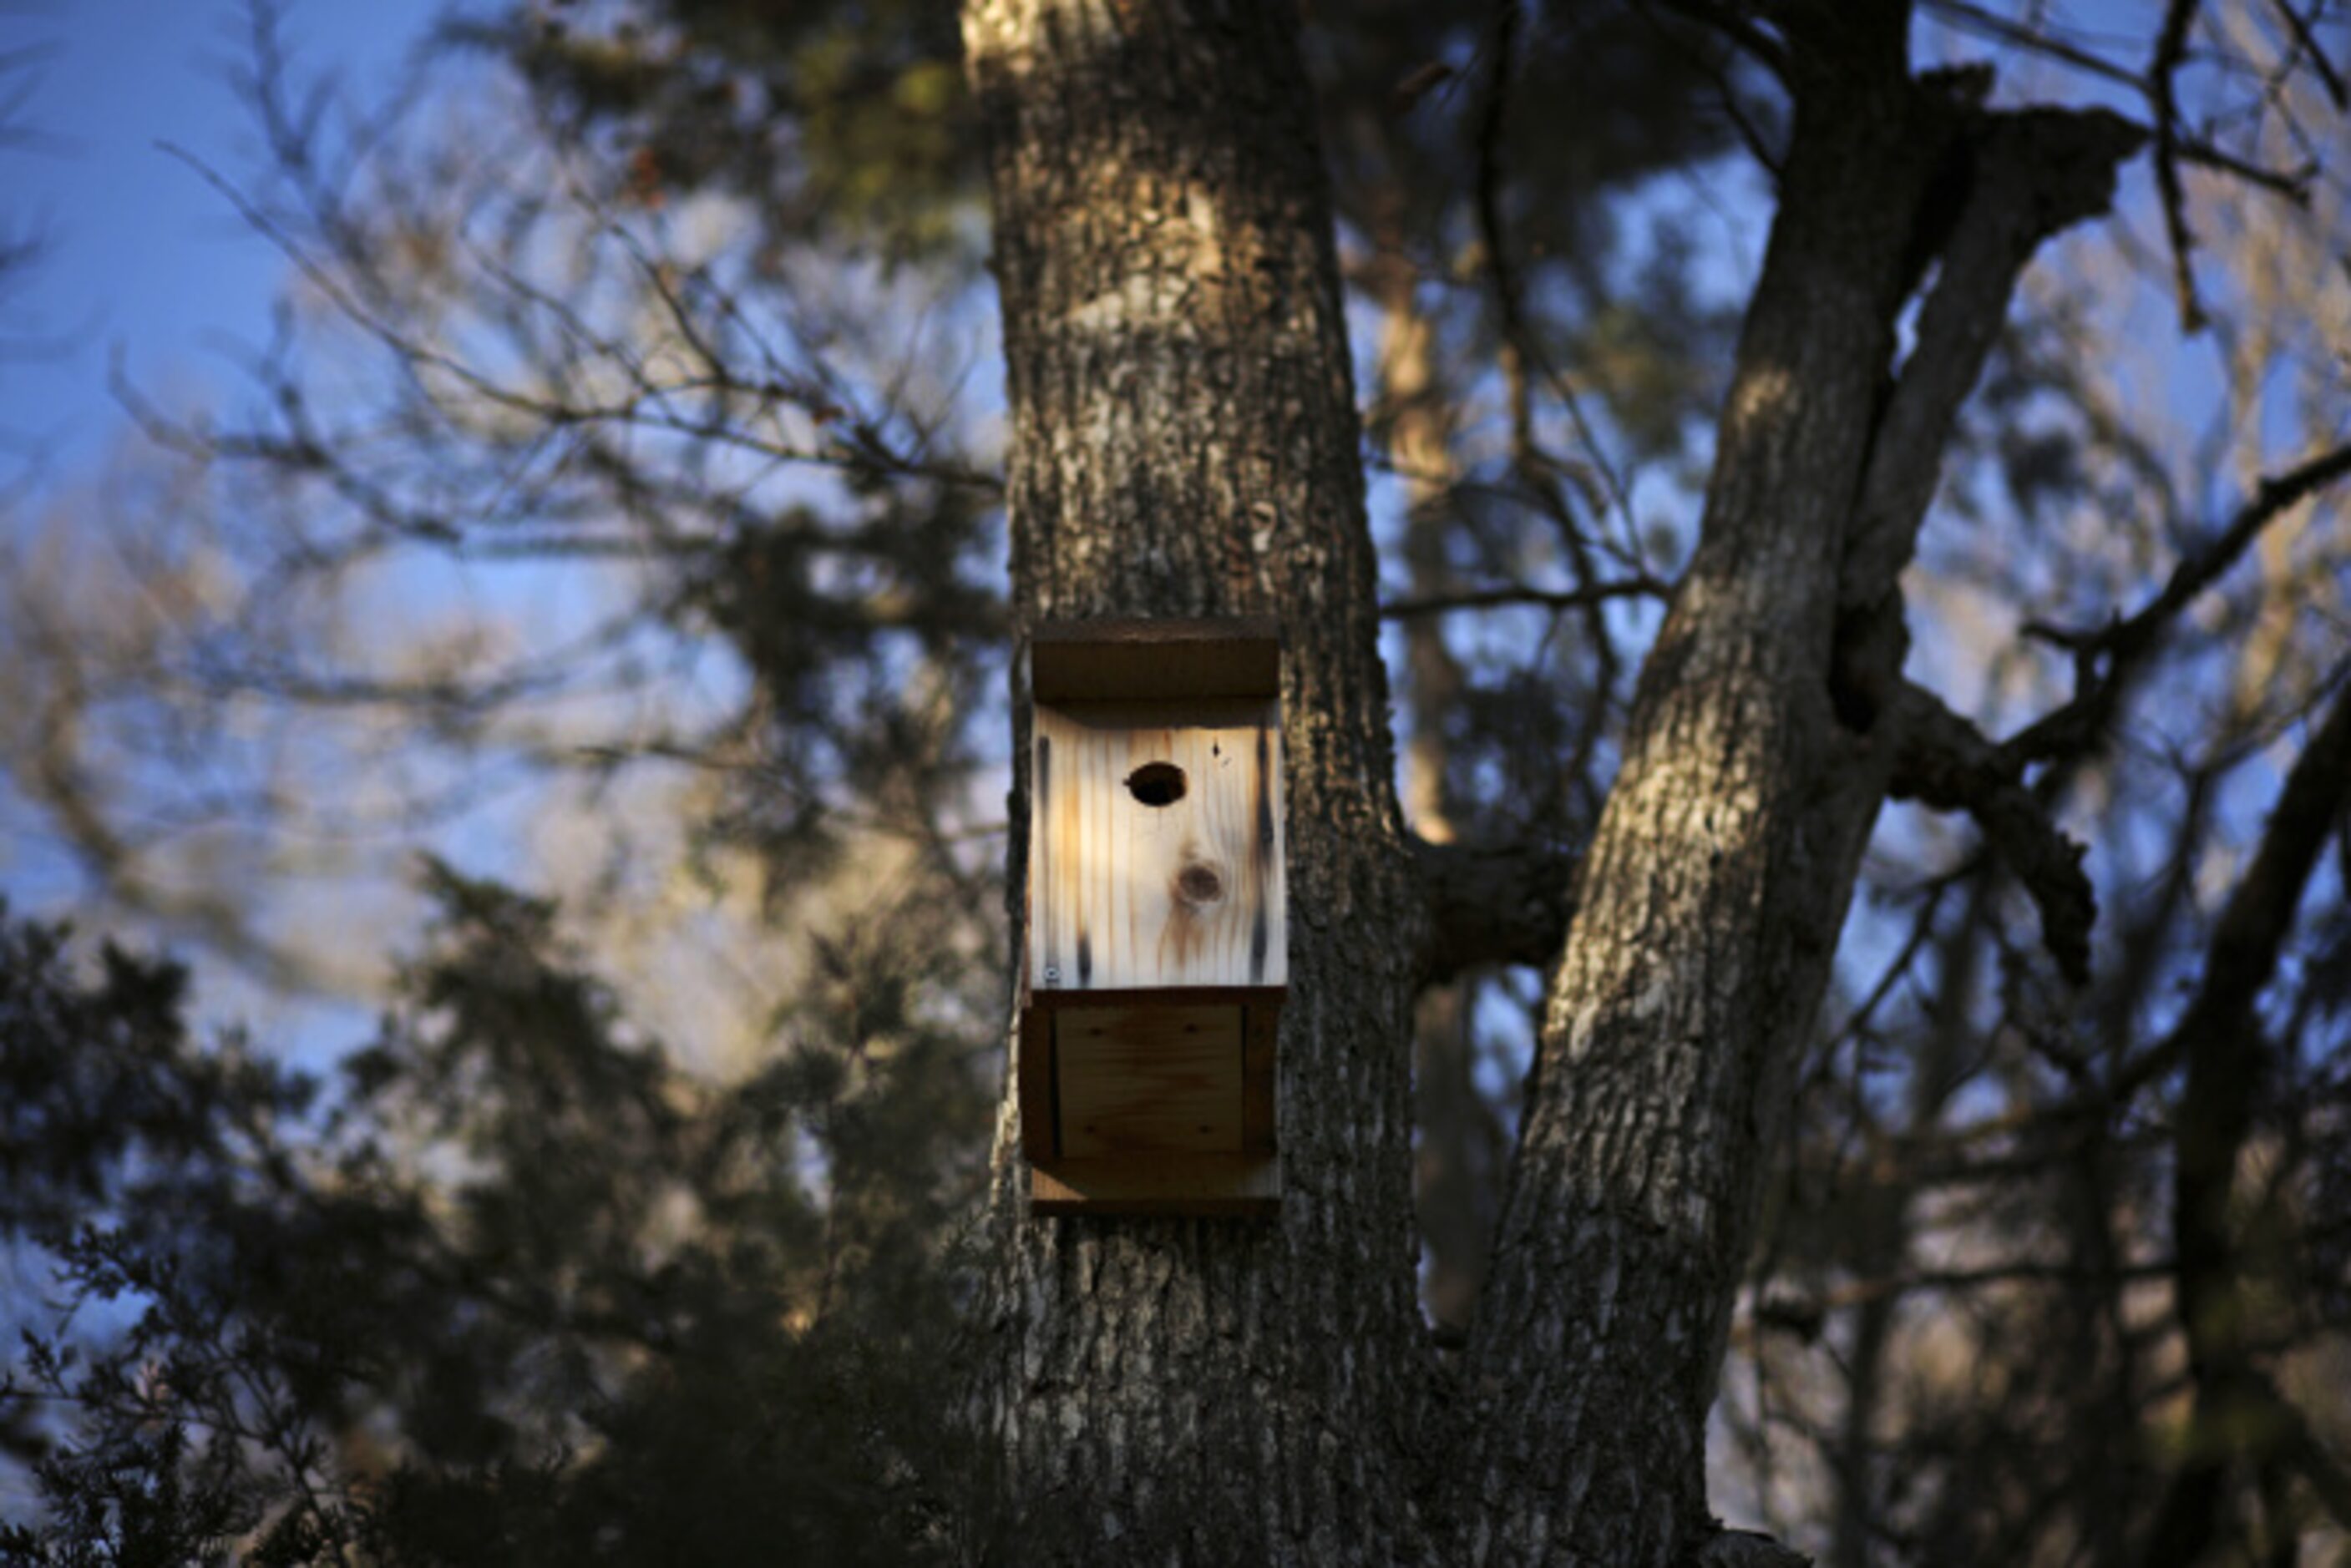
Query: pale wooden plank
pixel 1133 1079
pixel 1128 895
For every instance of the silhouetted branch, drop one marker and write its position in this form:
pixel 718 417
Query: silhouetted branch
pixel 2125 644
pixel 2308 47
pixel 1947 763
pixel 1543 599
pixel 2221 1040
pixel 2033 174
pixel 2171 48
pixel 1493 904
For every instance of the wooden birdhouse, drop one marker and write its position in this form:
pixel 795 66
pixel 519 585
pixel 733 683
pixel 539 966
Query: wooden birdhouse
pixel 1158 948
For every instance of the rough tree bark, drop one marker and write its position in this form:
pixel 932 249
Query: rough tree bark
pixel 1186 444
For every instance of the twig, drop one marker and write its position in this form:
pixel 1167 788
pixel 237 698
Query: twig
pixel 1946 763
pixel 2125 644
pixel 1989 25
pixel 2221 1040
pixel 1585 597
pixel 2171 48
pixel 2307 42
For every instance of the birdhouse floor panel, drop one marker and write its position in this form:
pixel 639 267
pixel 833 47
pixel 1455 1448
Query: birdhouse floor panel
pixel 1199 1186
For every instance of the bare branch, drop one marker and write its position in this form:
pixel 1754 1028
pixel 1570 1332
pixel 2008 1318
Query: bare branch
pixel 2221 1040
pixel 1740 29
pixel 2307 44
pixel 2171 48
pixel 1509 904
pixel 1947 763
pixel 1988 24
pixel 1546 599
pixel 2293 184
pixel 1523 355
pixel 2124 645
pixel 2035 173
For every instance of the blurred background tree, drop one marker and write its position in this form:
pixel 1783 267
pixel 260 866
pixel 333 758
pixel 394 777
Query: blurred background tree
pixel 616 514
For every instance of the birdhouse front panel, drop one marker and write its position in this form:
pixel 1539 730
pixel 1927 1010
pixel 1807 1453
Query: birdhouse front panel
pixel 1157 853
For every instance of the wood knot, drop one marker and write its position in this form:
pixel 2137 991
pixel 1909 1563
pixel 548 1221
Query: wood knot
pixel 1199 883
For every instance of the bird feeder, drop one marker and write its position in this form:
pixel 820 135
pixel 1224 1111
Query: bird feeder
pixel 1157 951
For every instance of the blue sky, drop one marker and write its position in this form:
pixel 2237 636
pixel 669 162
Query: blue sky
pixel 144 260
pixel 142 257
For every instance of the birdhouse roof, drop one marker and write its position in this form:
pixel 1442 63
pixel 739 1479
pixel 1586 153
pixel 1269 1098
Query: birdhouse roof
pixel 1090 660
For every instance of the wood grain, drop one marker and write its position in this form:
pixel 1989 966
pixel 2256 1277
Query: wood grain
pixel 1148 1079
pixel 1124 895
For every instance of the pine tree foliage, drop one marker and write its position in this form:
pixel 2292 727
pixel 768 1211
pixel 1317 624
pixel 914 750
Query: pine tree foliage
pixel 510 1288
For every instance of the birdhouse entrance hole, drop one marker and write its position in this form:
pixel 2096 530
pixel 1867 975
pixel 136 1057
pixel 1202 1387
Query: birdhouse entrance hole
pixel 1157 953
pixel 1156 783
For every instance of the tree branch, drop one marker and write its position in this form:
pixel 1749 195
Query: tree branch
pixel 1733 23
pixel 1489 905
pixel 1990 25
pixel 2307 42
pixel 2171 49
pixel 2029 174
pixel 2293 184
pixel 2221 1039
pixel 2124 645
pixel 1546 599
pixel 1943 761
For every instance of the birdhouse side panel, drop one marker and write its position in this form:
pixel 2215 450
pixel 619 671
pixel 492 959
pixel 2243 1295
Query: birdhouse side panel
pixel 1155 858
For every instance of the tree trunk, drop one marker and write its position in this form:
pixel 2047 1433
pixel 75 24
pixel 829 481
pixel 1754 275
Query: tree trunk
pixel 1710 907
pixel 1184 443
